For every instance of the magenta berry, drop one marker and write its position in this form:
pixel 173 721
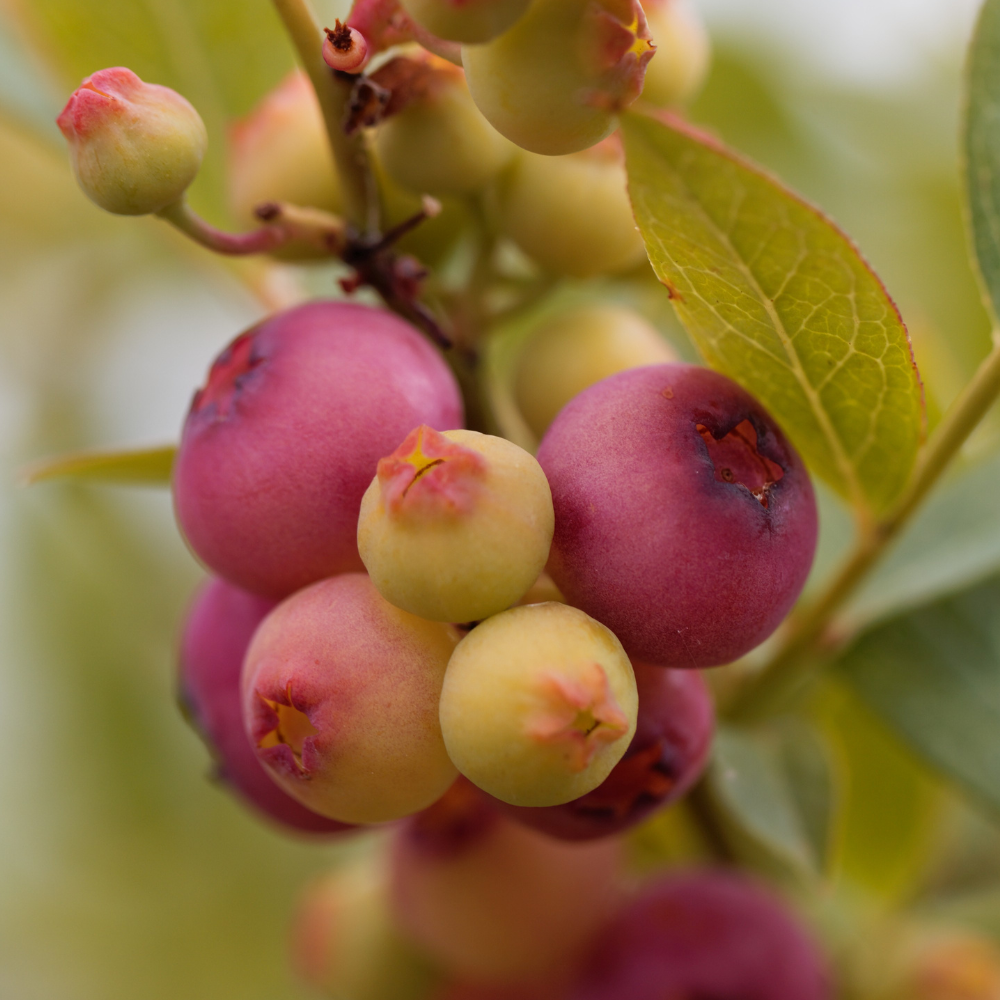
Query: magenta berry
pixel 685 521
pixel 340 700
pixel 666 756
pixel 704 935
pixel 283 440
pixel 492 901
pixel 219 627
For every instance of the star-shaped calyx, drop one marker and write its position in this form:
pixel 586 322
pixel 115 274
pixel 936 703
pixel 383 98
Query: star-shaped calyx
pixel 430 475
pixel 578 713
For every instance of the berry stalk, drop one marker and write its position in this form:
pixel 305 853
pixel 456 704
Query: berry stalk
pixel 360 190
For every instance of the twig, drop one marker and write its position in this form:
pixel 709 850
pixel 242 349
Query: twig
pixel 357 182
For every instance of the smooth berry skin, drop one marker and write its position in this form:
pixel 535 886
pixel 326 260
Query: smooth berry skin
pixel 219 627
pixel 704 934
pixel 282 442
pixel 686 568
pixel 340 698
pixel 666 757
pixel 493 902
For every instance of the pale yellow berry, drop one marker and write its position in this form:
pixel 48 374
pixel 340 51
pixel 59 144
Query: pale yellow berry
pixel 538 705
pixel 440 143
pixel 455 526
pixel 683 53
pixel 577 348
pixel 556 80
pixel 571 214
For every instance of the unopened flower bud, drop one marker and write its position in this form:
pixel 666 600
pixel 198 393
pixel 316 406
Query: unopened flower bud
pixel 135 146
pixel 345 49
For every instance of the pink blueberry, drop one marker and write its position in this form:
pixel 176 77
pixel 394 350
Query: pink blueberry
pixel 281 443
pixel 704 934
pixel 340 700
pixel 665 758
pixel 218 630
pixel 494 902
pixel 684 520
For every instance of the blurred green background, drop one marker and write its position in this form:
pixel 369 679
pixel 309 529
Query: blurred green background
pixel 123 872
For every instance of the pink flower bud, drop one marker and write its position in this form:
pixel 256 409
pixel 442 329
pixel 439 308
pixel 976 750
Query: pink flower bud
pixel 135 146
pixel 345 49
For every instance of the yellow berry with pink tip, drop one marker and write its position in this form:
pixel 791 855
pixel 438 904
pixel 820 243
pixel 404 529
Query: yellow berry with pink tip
pixel 538 705
pixel 455 526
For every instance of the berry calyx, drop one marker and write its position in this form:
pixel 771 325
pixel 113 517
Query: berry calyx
pixel 345 49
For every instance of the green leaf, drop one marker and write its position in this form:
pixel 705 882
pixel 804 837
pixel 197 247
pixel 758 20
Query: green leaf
pixel 222 55
pixel 934 675
pixel 754 801
pixel 885 819
pixel 776 297
pixel 982 149
pixel 143 467
pixel 953 543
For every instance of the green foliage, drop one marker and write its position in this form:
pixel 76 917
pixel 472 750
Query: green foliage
pixel 982 149
pixel 779 299
pixel 934 673
pixel 147 466
pixel 953 542
pixel 773 794
pixel 884 823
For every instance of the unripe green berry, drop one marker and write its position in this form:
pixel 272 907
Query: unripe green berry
pixel 455 526
pixel 571 214
pixel 135 147
pixel 554 82
pixel 683 53
pixel 470 21
pixel 439 143
pixel 280 152
pixel 576 348
pixel 538 705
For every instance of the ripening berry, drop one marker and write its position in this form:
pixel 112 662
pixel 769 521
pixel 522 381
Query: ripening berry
pixel 571 214
pixel 555 81
pixel 665 758
pixel 499 902
pixel 683 53
pixel 456 526
pixel 340 694
pixel 471 21
pixel 704 934
pixel 539 704
pixel 280 152
pixel 572 350
pixel 281 443
pixel 346 49
pixel 135 147
pixel 218 631
pixel 685 521
pixel 345 944
pixel 439 143
pixel 947 964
